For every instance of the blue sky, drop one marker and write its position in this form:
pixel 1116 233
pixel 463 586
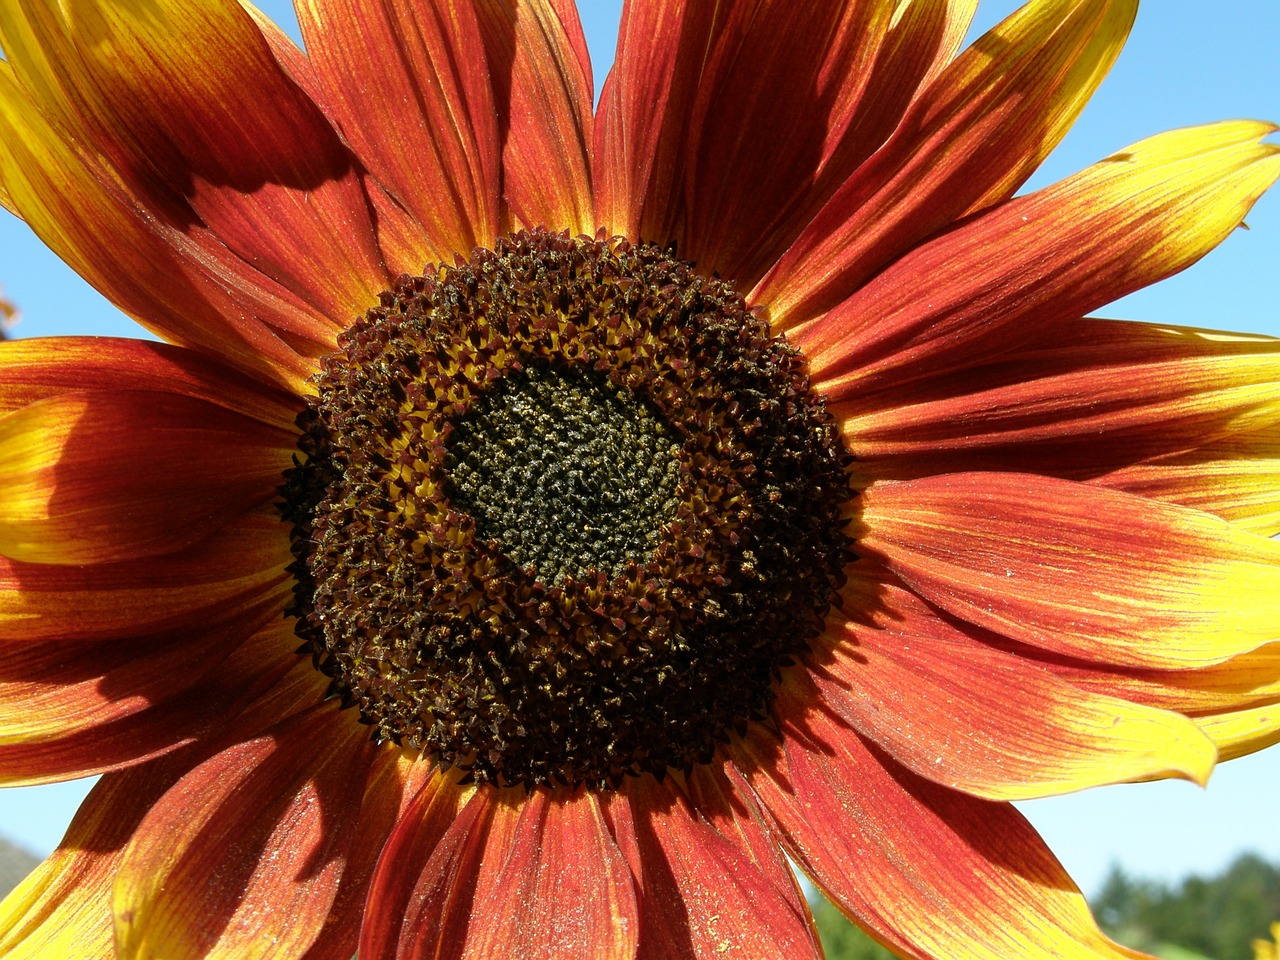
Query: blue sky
pixel 1187 62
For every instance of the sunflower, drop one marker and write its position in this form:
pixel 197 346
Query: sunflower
pixel 542 519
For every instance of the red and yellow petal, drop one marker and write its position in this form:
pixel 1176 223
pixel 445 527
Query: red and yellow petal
pixel 1085 397
pixel 408 85
pixel 189 100
pixel 928 871
pixel 103 476
pixel 178 284
pixel 1036 261
pixel 244 855
pixel 971 139
pixel 702 895
pixel 1076 569
pixel 67 603
pixel 63 908
pixel 118 728
pixel 943 699
pixel 541 73
pixel 38 368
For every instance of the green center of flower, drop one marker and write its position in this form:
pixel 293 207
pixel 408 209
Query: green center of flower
pixel 563 512
pixel 567 474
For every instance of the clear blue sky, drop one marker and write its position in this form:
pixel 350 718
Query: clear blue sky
pixel 1187 62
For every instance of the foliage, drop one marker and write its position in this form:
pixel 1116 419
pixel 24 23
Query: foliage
pixel 1199 918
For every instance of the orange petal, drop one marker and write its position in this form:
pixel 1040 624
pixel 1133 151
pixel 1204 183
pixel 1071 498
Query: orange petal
pixel 774 74
pixel 541 73
pixel 244 855
pixel 564 892
pixel 953 707
pixel 191 101
pixel 45 602
pixel 1114 390
pixel 38 368
pixel 926 870
pixel 1077 569
pixel 1033 262
pixel 63 909
pixel 178 284
pixel 408 84
pixel 98 476
pixel 971 139
pixel 701 894
pixel 402 888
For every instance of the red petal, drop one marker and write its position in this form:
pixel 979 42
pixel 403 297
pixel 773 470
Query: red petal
pixel 241 562
pixel 99 476
pixel 76 709
pixel 393 782
pixel 1077 569
pixel 541 73
pixel 38 368
pixel 644 113
pixel 928 871
pixel 701 895
pixel 970 140
pixel 439 807
pixel 949 704
pixel 1029 264
pixel 409 86
pixel 774 74
pixel 564 892
pixel 244 855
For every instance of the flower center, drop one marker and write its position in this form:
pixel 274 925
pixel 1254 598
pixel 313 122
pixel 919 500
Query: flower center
pixel 563 512
pixel 565 473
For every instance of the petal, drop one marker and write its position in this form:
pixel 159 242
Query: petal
pixel 409 86
pixel 441 807
pixel 952 707
pixel 725 800
pixel 541 73
pixel 1077 569
pixel 173 283
pixel 773 74
pixel 190 100
pixel 971 139
pixel 1241 732
pixel 1051 256
pixel 183 687
pixel 63 909
pixel 45 602
pixel 1234 477
pixel 702 896
pixel 97 476
pixel 564 892
pixel 243 856
pixel 393 782
pixel 643 114
pixel 926 870
pixel 1098 394
pixel 37 368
